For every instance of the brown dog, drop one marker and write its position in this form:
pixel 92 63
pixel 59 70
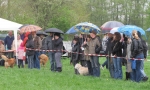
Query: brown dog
pixel 43 59
pixel 8 62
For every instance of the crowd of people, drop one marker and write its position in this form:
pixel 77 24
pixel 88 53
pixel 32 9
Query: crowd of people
pixel 114 45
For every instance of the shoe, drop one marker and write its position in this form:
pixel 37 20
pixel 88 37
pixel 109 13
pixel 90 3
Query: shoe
pixel 145 78
pixel 102 67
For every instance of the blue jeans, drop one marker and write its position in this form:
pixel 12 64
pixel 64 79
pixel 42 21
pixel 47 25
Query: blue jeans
pixel 142 69
pixel 36 60
pixel 110 67
pixel 117 68
pixel 136 73
pixel 42 52
pixel 30 61
pixel 95 65
pixel 52 61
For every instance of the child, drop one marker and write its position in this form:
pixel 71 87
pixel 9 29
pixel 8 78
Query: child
pixel 21 56
pixel 75 56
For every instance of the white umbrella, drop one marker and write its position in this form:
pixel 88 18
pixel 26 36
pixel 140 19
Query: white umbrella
pixel 113 30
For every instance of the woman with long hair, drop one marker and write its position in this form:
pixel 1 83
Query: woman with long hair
pixel 117 52
pixel 136 53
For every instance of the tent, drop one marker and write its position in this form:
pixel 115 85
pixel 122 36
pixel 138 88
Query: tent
pixel 6 25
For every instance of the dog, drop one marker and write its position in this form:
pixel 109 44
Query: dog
pixel 81 70
pixel 8 62
pixel 43 59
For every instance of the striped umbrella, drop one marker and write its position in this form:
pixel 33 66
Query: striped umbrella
pixel 107 26
pixel 29 28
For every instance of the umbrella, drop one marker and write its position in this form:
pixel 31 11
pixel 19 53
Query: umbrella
pixel 115 29
pixel 148 29
pixel 41 33
pixel 53 30
pixel 130 28
pixel 86 27
pixel 71 31
pixel 29 28
pixel 107 26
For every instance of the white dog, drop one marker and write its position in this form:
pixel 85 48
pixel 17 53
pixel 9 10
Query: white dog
pixel 81 70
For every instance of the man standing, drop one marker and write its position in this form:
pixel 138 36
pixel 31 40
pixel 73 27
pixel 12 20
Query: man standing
pixel 94 59
pixel 8 40
pixel 108 52
pixel 37 45
pixel 49 46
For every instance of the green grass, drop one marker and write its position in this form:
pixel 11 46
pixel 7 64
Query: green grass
pixel 44 79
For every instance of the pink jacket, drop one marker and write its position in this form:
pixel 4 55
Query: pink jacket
pixel 21 52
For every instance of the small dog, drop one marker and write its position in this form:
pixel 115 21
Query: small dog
pixel 81 70
pixel 43 59
pixel 8 62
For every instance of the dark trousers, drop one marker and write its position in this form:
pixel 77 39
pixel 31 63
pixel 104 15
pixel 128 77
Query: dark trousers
pixel 20 63
pixel 83 63
pixel 105 63
pixel 74 62
pixel 95 65
pixel 2 62
pixel 89 67
pixel 36 60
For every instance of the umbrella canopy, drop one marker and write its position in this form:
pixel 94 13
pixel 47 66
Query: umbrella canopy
pixel 71 31
pixel 115 29
pixel 54 30
pixel 129 28
pixel 41 33
pixel 86 27
pixel 107 26
pixel 29 28
pixel 148 29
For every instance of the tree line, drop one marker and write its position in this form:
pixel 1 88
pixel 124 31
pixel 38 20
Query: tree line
pixel 63 14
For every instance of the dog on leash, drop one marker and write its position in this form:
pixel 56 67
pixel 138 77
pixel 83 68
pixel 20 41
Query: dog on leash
pixel 8 62
pixel 81 70
pixel 43 59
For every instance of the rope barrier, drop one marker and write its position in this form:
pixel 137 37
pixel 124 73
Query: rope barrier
pixel 82 53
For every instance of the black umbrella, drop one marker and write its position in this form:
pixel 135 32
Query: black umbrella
pixel 41 33
pixel 53 30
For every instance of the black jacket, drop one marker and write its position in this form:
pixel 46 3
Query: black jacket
pixel 58 44
pixel 116 48
pixel 109 49
pixel 75 48
pixel 30 44
pixel 145 47
pixel 124 47
pixel 136 47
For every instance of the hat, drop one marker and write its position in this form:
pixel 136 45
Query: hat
pixel 57 34
pixel 93 31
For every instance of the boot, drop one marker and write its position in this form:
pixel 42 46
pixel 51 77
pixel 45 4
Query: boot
pixel 127 75
pixel 18 66
pixel 76 71
pixel 59 69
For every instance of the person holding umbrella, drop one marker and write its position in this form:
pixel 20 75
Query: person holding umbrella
pixel 58 46
pixel 49 46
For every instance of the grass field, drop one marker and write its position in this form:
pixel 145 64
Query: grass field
pixel 44 79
